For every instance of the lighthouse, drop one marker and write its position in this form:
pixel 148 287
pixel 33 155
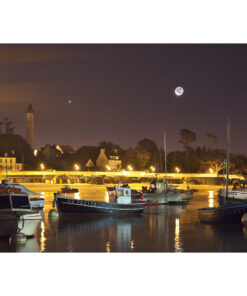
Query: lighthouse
pixel 30 126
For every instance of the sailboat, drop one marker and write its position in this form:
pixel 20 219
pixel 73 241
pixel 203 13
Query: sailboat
pixel 225 212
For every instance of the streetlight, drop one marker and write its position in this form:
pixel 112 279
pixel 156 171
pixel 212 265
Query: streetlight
pixel 177 169
pixel 130 168
pixel 77 167
pixel 108 168
pixel 152 168
pixel 211 171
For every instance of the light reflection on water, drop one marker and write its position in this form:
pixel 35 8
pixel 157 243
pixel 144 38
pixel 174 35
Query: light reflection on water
pixel 77 195
pixel 42 236
pixel 177 240
pixel 108 247
pixel 132 245
pixel 211 198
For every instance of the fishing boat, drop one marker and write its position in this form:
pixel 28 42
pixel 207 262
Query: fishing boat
pixel 178 196
pixel 37 200
pixel 119 203
pixel 225 213
pixel 155 194
pixel 67 189
pixel 160 193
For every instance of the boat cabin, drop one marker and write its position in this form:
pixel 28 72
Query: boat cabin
pixel 11 202
pixel 120 194
pixel 240 185
pixel 155 186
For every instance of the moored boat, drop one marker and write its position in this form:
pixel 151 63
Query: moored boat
pixel 67 189
pixel 37 200
pixel 120 203
pixel 223 214
pixel 236 195
pixel 16 213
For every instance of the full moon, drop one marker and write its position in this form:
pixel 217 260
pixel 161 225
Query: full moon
pixel 179 91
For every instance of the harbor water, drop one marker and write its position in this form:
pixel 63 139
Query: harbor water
pixel 166 228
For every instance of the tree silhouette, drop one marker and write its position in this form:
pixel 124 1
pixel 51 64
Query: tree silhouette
pixel 1 124
pixel 186 138
pixel 8 128
pixel 213 138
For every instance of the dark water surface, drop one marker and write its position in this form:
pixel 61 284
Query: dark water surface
pixel 160 229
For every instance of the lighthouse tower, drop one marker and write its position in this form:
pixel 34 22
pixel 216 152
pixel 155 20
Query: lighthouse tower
pixel 30 126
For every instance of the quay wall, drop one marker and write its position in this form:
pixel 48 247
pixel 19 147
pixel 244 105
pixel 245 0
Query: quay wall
pixel 89 177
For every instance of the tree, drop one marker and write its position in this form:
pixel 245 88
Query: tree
pixel 213 138
pixel 10 143
pixel 8 128
pixel 142 157
pixel 151 147
pixel 1 124
pixel 186 138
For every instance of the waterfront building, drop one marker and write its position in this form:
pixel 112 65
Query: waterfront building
pixel 114 161
pixel 30 126
pixel 111 162
pixel 10 163
pixel 102 160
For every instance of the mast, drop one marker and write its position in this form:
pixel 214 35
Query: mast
pixel 165 154
pixel 227 154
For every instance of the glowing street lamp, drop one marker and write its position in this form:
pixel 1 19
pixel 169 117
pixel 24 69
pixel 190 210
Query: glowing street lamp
pixel 211 171
pixel 77 167
pixel 108 168
pixel 177 170
pixel 152 168
pixel 130 168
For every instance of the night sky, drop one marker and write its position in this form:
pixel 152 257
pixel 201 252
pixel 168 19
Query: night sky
pixel 124 93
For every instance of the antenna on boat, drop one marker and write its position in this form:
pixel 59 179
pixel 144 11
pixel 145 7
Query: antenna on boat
pixel 227 153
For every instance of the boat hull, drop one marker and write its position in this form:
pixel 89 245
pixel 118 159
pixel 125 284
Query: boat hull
pixel 223 214
pixel 75 206
pixel 233 194
pixel 157 197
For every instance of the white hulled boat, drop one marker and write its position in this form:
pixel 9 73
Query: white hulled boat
pixel 238 192
pixel 37 200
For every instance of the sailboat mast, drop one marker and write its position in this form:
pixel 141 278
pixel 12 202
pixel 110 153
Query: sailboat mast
pixel 165 153
pixel 227 154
